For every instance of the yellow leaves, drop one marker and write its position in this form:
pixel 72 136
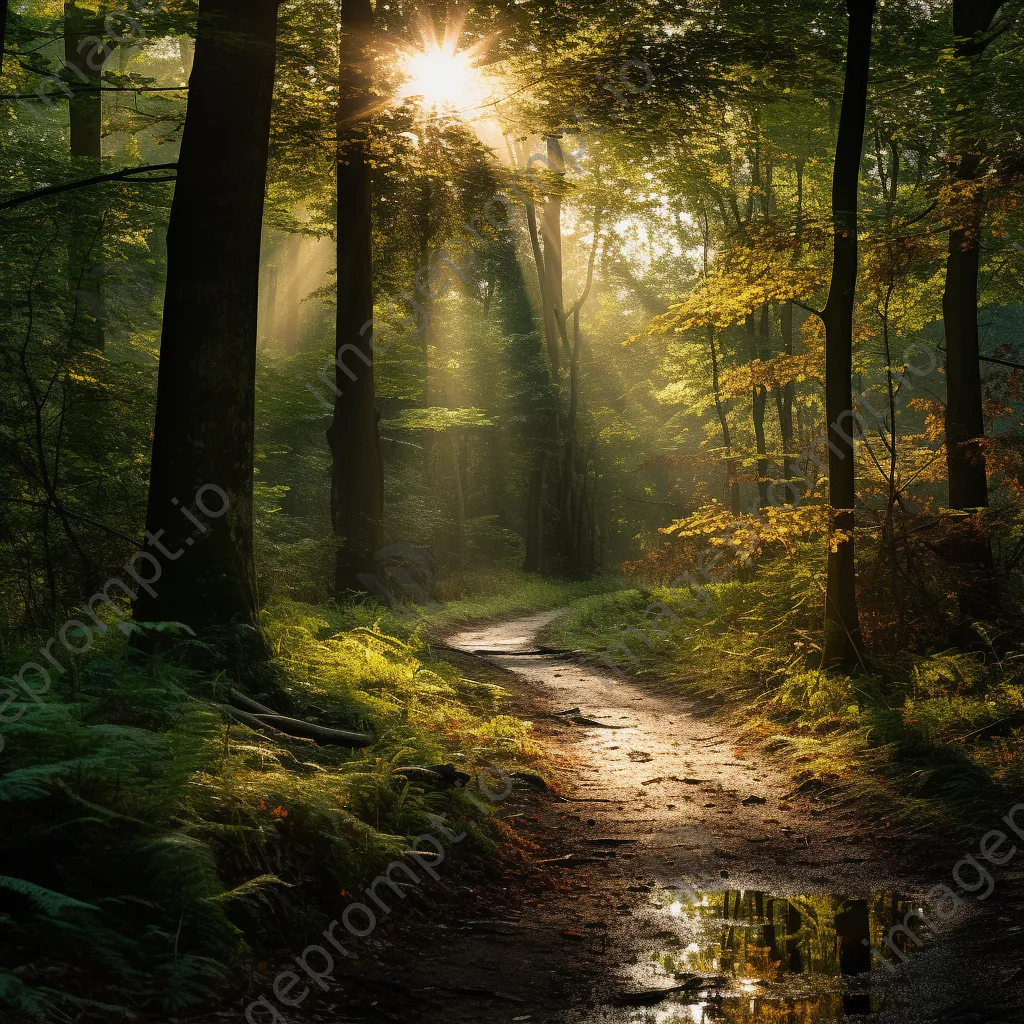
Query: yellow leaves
pixel 837 538
pixel 746 536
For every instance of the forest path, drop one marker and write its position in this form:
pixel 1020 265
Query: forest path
pixel 666 857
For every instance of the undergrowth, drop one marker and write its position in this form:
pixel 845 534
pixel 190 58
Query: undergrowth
pixel 922 739
pixel 153 847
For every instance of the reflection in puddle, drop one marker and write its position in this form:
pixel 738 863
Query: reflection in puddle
pixel 754 958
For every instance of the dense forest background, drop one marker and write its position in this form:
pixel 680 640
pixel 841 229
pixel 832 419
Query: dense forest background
pixel 528 292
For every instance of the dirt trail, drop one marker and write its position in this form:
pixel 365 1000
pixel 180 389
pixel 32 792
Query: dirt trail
pixel 679 868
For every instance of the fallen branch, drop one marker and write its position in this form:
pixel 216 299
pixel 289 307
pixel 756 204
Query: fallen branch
pixel 446 775
pixel 300 727
pixel 254 723
pixel 252 705
pixel 320 733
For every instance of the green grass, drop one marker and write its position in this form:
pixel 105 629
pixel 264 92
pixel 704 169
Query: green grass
pixel 471 598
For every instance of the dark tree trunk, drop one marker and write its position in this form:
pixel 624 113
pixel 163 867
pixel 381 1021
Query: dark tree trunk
pixel 965 424
pixel 843 642
pixel 761 334
pixel 357 473
pixel 787 398
pixel 203 437
pixel 731 472
pixel 853 929
pixel 84 57
pixel 793 924
pixel 3 32
pixel 552 234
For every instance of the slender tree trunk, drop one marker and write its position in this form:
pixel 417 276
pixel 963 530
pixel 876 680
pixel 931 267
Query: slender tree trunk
pixel 552 232
pixel 843 641
pixel 84 57
pixel 790 466
pixel 203 436
pixel 270 311
pixel 293 274
pixel 548 260
pixel 568 492
pixel 761 335
pixel 731 471
pixel 965 424
pixel 357 469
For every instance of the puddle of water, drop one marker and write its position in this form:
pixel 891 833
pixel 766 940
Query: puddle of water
pixel 755 958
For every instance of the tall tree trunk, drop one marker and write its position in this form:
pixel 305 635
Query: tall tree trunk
pixel 84 57
pixel 843 641
pixel 731 471
pixel 3 32
pixel 203 437
pixel 548 260
pixel 552 233
pixel 965 424
pixel 761 336
pixel 270 310
pixel 357 470
pixel 787 397
pixel 293 274
pixel 568 490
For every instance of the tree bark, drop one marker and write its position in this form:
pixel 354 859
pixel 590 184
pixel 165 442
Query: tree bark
pixel 203 436
pixel 3 32
pixel 787 398
pixel 731 472
pixel 569 497
pixel 965 423
pixel 761 336
pixel 84 57
pixel 843 642
pixel 357 472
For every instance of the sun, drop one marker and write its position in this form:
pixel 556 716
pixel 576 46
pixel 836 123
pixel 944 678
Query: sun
pixel 440 76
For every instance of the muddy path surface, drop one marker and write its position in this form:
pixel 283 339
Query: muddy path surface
pixel 670 876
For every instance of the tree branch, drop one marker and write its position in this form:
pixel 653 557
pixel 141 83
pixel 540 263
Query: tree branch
pixel 126 175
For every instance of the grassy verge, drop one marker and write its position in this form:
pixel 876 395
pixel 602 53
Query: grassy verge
pixel 155 848
pixel 472 598
pixel 927 743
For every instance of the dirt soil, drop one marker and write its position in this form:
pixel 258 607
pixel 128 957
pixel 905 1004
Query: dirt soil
pixel 653 867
